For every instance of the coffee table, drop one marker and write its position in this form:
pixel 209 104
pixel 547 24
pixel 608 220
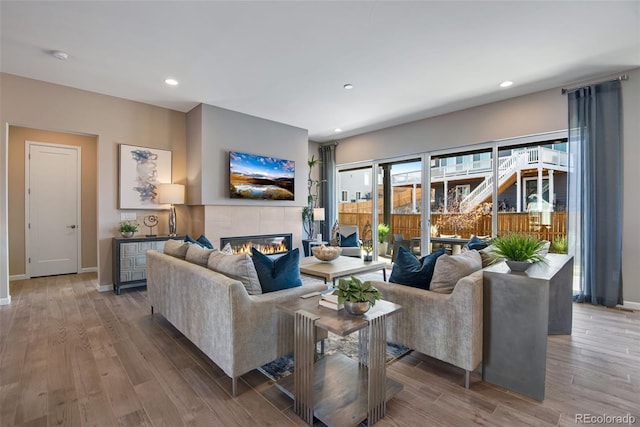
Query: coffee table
pixel 336 389
pixel 340 267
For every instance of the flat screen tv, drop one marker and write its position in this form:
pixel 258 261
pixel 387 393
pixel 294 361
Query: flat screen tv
pixel 259 177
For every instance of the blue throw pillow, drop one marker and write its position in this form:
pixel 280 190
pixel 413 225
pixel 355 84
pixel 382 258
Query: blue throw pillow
pixel 350 241
pixel 190 239
pixel 411 271
pixel 476 243
pixel 279 273
pixel 205 242
pixel 202 241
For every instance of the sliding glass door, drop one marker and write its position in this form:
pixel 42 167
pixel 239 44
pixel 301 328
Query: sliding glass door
pixel 461 197
pixel 400 206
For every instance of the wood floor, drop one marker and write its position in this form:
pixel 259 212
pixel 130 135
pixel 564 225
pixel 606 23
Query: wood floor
pixel 70 355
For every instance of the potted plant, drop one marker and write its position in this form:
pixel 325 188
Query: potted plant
pixel 383 233
pixel 313 189
pixel 357 297
pixel 559 245
pixel 367 242
pixel 519 251
pixel 127 229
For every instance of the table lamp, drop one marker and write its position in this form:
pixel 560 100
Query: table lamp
pixel 318 215
pixel 172 194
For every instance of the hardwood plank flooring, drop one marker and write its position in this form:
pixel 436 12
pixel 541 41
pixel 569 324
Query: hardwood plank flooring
pixel 70 355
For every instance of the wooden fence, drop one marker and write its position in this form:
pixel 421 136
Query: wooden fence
pixel 508 222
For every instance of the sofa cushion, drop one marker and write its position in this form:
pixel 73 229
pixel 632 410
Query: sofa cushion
pixel 239 267
pixel 198 255
pixel 451 268
pixel 411 271
pixel 201 241
pixel 350 241
pixel 278 273
pixel 176 248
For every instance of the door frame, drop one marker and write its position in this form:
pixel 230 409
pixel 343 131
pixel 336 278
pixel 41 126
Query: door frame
pixel 27 243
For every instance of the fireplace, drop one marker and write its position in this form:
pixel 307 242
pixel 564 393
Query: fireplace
pixel 267 243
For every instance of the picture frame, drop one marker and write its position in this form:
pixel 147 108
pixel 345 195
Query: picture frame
pixel 252 176
pixel 141 169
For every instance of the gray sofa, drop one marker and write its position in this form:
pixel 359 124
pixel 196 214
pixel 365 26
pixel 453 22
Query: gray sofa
pixel 238 331
pixel 447 327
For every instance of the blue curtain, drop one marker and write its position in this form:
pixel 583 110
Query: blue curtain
pixel 328 190
pixel 595 191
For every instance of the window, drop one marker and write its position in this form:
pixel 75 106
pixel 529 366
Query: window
pixel 344 196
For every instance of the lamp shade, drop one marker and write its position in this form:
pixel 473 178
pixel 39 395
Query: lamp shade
pixel 171 193
pixel 318 214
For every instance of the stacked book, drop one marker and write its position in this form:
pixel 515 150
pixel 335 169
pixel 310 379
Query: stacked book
pixel 328 300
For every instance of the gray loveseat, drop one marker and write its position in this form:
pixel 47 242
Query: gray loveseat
pixel 237 331
pixel 447 327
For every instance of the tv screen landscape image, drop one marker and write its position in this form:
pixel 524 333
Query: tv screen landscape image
pixel 259 177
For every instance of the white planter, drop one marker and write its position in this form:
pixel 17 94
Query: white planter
pixel 382 248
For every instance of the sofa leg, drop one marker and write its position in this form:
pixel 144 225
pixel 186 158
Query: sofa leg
pixel 466 379
pixel 151 309
pixel 234 386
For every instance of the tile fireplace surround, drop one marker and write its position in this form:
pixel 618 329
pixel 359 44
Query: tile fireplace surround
pixel 217 221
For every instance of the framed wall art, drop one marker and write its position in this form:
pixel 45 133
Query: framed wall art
pixel 259 177
pixel 141 170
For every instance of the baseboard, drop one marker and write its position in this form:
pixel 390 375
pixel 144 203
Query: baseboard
pixel 17 277
pixel 105 288
pixel 5 301
pixel 630 305
pixel 89 270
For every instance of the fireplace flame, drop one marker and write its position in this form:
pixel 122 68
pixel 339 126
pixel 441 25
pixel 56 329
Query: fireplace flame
pixel 267 249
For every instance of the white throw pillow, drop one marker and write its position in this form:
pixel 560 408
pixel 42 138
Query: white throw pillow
pixel 451 268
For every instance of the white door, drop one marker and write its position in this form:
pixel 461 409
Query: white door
pixel 52 209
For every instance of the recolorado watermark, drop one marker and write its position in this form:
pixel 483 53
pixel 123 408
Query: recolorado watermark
pixel 605 419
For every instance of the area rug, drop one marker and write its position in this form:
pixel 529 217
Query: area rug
pixel 348 346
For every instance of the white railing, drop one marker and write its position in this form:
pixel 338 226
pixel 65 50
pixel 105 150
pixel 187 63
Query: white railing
pixel 507 166
pixel 527 157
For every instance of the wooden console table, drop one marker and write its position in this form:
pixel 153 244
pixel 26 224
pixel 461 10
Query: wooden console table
pixel 336 389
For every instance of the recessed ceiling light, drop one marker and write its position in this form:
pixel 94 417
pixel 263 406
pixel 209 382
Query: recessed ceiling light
pixel 337 130
pixel 348 86
pixel 171 82
pixel 506 83
pixel 58 54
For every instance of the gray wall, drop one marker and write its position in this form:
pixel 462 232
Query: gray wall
pixel 217 132
pixel 526 115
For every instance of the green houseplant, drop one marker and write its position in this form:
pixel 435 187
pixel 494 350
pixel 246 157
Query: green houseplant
pixel 383 233
pixel 559 245
pixel 313 192
pixel 518 250
pixel 127 229
pixel 356 296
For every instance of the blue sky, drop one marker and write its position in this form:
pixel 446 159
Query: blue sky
pixel 251 164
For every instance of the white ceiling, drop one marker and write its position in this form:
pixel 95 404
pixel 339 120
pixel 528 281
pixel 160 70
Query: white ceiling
pixel 288 61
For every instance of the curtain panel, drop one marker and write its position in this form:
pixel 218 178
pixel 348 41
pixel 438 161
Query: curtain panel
pixel 328 189
pixel 595 191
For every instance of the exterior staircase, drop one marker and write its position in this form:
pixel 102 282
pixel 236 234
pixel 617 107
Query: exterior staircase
pixel 507 168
